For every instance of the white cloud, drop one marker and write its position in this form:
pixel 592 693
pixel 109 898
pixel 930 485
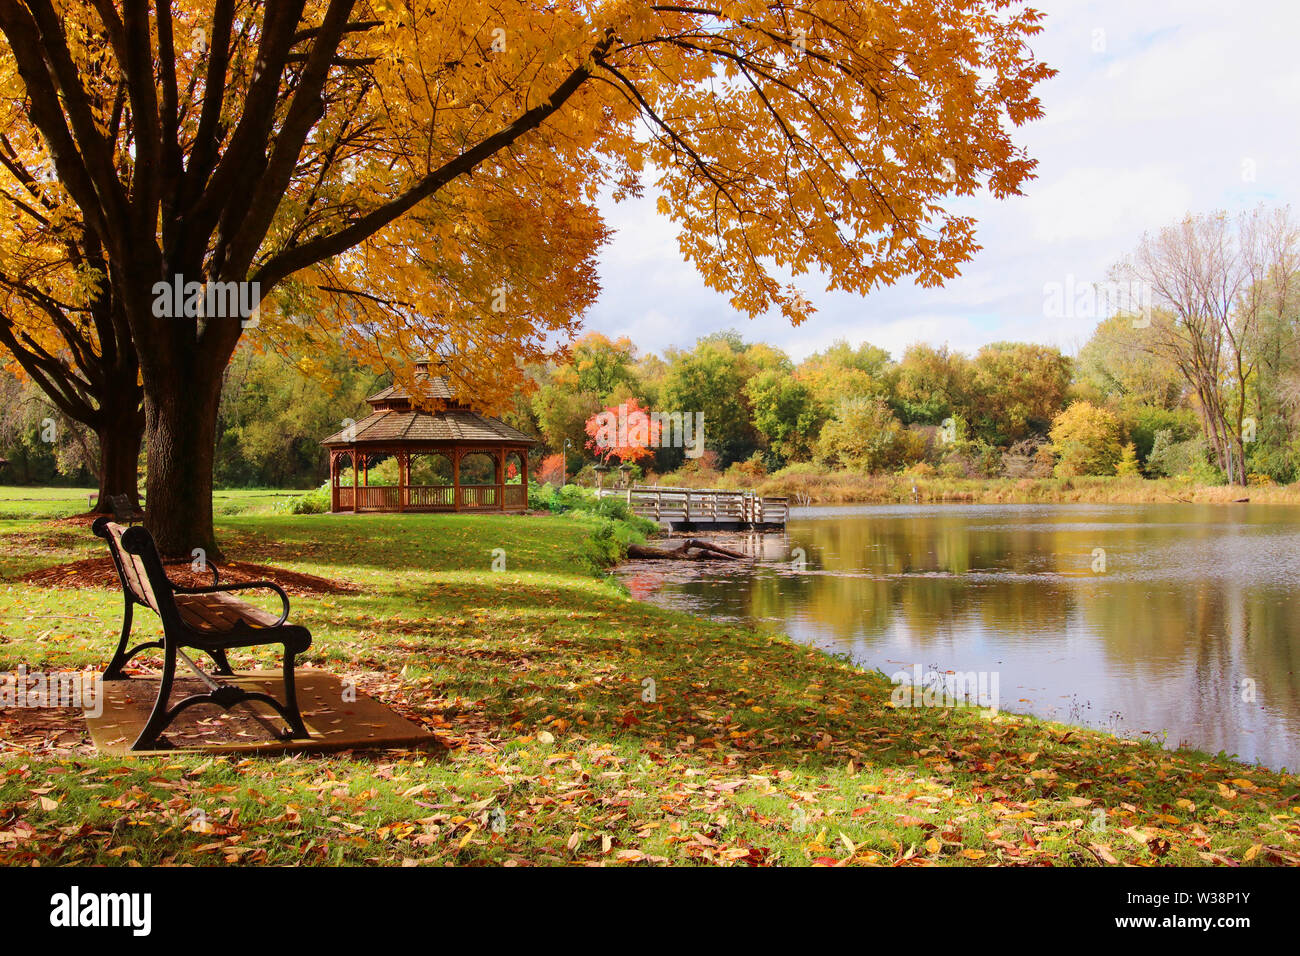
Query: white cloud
pixel 1069 209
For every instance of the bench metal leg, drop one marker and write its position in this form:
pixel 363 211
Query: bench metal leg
pixel 114 670
pixel 223 665
pixel 296 727
pixel 160 716
pixel 225 696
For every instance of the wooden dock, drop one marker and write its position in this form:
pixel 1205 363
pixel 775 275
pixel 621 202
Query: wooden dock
pixel 687 509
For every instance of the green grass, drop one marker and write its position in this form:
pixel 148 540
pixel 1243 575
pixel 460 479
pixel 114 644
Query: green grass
pixel 754 750
pixel 26 502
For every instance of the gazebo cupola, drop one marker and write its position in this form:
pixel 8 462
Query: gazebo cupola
pixel 453 459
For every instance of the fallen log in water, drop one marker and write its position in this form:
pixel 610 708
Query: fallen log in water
pixel 692 549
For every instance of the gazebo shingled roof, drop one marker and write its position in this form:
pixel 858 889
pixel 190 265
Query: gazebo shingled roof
pixel 399 429
pixel 417 426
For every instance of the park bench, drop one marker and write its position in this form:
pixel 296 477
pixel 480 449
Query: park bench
pixel 207 619
pixel 124 509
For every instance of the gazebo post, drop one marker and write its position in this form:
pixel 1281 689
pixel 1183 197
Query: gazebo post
pixel 501 478
pixel 403 480
pixel 356 487
pixel 523 480
pixel 455 478
pixel 334 481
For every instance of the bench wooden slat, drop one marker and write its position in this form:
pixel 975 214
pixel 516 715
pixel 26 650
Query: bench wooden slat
pixel 220 612
pixel 133 569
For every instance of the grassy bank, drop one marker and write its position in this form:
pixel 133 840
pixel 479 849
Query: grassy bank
pixel 750 750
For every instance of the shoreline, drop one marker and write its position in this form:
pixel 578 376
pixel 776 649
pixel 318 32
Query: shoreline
pixel 852 488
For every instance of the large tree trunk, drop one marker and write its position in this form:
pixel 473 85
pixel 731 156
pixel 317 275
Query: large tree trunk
pixel 180 436
pixel 119 457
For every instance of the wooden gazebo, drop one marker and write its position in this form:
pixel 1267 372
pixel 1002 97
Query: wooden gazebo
pixel 397 429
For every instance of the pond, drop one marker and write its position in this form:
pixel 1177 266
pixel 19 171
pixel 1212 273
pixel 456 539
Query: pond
pixel 1181 621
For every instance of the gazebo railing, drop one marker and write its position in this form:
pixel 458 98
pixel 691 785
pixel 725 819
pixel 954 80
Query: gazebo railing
pixel 430 496
pixel 479 496
pixel 377 498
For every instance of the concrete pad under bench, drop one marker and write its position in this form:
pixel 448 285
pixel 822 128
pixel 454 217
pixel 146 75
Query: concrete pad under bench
pixel 335 724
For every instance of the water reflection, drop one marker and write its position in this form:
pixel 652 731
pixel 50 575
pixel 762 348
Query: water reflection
pixel 1196 608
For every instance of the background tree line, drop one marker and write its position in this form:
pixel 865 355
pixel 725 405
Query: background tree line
pixel 1123 405
pixel 1203 380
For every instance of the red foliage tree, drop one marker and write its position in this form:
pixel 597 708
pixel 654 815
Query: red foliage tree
pixel 627 431
pixel 552 469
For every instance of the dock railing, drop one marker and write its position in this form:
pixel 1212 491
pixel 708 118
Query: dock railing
pixel 701 505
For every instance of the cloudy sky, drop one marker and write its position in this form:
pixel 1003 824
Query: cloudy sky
pixel 1161 107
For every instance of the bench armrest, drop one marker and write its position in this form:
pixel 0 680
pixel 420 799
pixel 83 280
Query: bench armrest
pixel 270 585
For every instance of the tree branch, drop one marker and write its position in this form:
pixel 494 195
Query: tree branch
pixel 305 110
pixel 295 258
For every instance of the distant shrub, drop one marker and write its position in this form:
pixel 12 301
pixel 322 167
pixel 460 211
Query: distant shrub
pixel 1276 462
pixel 699 472
pixel 551 469
pixel 1203 472
pixel 1142 424
pixel 1161 461
pixel 865 436
pixel 965 458
pixel 1128 463
pixel 314 502
pixel 1087 441
pixel 607 543
pixel 801 469
pixel 1170 458
pixel 1028 458
pixel 749 472
pixel 572 498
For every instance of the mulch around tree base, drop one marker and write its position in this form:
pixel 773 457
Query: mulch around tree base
pixel 101 573
pixel 85 519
